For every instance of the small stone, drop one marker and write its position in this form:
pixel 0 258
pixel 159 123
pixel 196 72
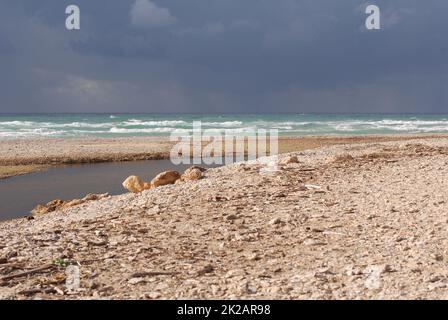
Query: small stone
pixel 438 257
pixel 275 221
pixel 250 288
pixel 207 269
pixel 312 242
pixel 235 273
pixel 254 257
pixel 134 281
pixel 153 295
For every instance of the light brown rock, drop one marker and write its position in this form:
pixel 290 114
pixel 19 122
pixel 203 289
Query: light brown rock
pixel 134 184
pixel 192 174
pixel 164 178
pixel 289 159
pixel 58 204
pixel 49 207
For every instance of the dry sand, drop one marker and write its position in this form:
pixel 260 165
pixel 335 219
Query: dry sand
pixel 347 222
pixel 20 156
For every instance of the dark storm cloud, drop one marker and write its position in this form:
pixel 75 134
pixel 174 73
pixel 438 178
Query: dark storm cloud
pixel 223 56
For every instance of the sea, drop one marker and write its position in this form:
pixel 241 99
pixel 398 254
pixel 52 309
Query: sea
pixel 130 125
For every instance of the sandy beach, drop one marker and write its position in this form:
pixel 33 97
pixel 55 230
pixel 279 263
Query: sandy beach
pixel 349 221
pixel 20 156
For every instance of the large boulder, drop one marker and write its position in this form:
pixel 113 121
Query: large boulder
pixel 134 184
pixel 164 178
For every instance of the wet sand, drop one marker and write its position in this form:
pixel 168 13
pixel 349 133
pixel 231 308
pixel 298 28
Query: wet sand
pixel 21 156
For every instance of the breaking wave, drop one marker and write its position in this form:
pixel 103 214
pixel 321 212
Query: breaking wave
pixel 144 125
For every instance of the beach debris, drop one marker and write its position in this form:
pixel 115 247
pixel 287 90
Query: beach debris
pixel 59 204
pixel 134 184
pixel 27 272
pixel 164 178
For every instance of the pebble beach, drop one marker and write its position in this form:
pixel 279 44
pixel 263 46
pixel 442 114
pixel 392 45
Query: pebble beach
pixel 348 221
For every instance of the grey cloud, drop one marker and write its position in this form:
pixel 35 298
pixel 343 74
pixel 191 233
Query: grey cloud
pixel 146 14
pixel 223 56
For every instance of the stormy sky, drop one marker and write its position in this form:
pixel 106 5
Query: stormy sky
pixel 223 56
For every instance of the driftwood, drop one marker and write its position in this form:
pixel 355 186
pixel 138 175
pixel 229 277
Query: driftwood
pixel 153 274
pixel 31 292
pixel 27 272
pixel 11 265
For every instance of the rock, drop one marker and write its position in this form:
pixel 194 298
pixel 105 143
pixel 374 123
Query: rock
pixel 49 207
pixel 93 197
pixel 135 281
pixel 250 289
pixel 72 203
pixel 54 204
pixel 289 159
pixel 373 272
pixel 192 174
pixel 58 204
pixel 164 178
pixel 207 269
pixel 202 169
pixel 134 184
pixel 254 257
pixel 39 210
pixel 275 221
pixel 152 295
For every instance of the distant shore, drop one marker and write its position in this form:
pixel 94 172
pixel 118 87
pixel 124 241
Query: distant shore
pixel 22 156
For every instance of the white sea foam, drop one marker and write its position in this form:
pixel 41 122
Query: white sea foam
pixel 222 124
pixel 17 123
pixel 65 126
pixel 136 122
pixel 145 130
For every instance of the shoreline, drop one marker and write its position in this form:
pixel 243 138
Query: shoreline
pixel 363 221
pixel 22 156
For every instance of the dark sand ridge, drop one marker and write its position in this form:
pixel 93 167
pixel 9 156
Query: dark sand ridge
pixel 20 156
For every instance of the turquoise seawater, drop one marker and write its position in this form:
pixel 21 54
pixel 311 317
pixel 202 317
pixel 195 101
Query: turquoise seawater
pixel 126 125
